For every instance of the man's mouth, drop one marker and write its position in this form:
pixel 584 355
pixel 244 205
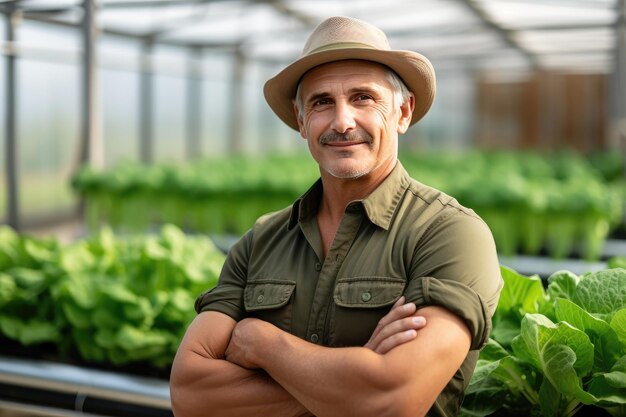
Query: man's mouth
pixel 348 139
pixel 345 143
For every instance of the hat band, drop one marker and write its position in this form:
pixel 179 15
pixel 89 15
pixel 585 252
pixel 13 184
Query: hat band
pixel 341 45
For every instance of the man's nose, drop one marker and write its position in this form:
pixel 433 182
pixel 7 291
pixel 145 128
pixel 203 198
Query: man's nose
pixel 343 119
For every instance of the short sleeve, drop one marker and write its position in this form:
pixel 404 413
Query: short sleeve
pixel 457 298
pixel 227 296
pixel 456 267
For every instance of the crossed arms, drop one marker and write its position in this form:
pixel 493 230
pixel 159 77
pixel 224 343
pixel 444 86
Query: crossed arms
pixel 251 367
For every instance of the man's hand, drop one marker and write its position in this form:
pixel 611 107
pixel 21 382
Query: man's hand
pixel 203 384
pixel 246 333
pixel 397 327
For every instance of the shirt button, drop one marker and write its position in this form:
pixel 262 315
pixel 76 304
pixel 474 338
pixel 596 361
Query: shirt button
pixel 314 338
pixel 318 266
pixel 260 299
pixel 366 296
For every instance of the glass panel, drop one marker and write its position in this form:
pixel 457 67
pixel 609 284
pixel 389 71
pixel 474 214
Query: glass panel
pixel 48 121
pixel 119 61
pixel 120 108
pixel 169 121
pixel 215 104
pixel 542 41
pixel 524 15
pixel 244 24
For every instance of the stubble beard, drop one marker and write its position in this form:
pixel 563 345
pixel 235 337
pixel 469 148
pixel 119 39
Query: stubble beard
pixel 350 172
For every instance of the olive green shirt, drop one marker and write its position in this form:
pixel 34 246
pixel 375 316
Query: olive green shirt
pixel 404 238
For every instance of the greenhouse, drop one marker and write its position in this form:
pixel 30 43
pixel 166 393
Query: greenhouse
pixel 139 148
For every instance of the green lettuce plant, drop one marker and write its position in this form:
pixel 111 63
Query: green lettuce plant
pixel 558 203
pixel 28 271
pixel 553 352
pixel 112 299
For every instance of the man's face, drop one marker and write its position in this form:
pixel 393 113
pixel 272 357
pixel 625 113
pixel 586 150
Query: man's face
pixel 350 119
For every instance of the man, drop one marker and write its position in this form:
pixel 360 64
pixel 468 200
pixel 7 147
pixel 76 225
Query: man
pixel 318 308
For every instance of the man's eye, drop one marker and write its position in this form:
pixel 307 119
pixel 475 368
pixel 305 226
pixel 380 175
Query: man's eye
pixel 322 102
pixel 363 97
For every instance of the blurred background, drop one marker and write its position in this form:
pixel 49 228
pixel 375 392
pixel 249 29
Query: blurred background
pixel 136 137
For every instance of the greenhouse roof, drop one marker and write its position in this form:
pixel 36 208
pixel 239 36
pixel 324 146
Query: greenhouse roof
pixel 578 35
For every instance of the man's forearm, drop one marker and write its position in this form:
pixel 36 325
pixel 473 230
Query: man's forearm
pixel 357 381
pixel 203 384
pixel 347 383
pixel 214 387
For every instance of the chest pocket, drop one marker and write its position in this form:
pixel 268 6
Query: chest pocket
pixel 269 300
pixel 359 303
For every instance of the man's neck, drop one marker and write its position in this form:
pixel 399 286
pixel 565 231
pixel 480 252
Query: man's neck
pixel 338 193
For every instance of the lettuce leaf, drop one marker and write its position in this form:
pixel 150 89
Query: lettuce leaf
pixel 602 293
pixel 568 354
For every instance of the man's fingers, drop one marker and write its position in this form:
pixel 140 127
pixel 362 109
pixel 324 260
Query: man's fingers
pixel 398 311
pixel 399 319
pixel 398 326
pixel 386 319
pixel 395 340
pixel 387 335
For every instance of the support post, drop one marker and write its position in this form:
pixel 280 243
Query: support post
pixel 146 135
pixel 11 165
pixel 237 102
pixel 91 151
pixel 194 104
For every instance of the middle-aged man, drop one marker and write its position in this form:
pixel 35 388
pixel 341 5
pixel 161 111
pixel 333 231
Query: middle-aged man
pixel 319 307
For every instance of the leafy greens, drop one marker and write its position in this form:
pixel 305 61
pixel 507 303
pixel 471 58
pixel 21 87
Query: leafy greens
pixel 554 351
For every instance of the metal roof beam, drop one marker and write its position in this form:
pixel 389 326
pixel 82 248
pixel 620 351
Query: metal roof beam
pixel 591 4
pixel 581 26
pixel 130 35
pixel 175 24
pixel 132 4
pixel 8 7
pixel 281 7
pixel 505 34
pixel 24 7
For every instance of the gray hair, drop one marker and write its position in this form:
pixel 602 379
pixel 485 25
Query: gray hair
pixel 401 93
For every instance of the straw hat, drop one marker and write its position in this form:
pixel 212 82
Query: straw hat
pixel 340 38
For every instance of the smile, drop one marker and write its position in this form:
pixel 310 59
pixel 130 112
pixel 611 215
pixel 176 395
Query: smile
pixel 345 144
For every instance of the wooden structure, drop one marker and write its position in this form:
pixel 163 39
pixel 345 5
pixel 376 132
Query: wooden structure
pixel 544 110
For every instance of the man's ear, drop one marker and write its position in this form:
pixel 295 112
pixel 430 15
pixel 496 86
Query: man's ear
pixel 406 113
pixel 300 124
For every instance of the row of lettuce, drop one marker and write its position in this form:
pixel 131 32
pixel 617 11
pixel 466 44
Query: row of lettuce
pixel 562 204
pixel 106 298
pixel 122 300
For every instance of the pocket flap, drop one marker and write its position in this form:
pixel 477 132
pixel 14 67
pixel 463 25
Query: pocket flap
pixel 368 292
pixel 267 294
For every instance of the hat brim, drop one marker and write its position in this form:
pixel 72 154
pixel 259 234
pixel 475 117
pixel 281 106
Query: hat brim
pixel 413 68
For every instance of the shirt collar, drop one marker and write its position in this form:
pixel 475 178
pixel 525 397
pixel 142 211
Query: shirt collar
pixel 379 206
pixel 306 206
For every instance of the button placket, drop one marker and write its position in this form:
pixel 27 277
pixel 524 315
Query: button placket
pixel 323 299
